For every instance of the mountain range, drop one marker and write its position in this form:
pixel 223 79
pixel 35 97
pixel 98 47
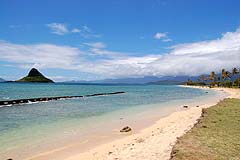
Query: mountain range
pixel 142 80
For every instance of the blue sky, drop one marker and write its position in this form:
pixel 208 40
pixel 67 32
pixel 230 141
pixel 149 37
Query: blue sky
pixel 85 40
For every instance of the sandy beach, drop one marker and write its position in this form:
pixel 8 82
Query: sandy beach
pixel 153 134
pixel 119 80
pixel 154 142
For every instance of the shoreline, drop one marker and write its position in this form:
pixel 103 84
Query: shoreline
pixel 233 92
pixel 156 141
pixel 140 121
pixel 107 141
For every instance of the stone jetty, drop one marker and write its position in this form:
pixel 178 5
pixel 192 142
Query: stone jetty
pixel 42 99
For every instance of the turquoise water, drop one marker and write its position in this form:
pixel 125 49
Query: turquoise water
pixel 29 124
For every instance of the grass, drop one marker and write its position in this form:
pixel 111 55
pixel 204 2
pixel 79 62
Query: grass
pixel 215 137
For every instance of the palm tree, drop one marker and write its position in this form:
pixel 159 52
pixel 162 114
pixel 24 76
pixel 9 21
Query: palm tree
pixel 235 71
pixel 213 77
pixel 228 74
pixel 225 74
pixel 222 77
pixel 218 80
pixel 203 78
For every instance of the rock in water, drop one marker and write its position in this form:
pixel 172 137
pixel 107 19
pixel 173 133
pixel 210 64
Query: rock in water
pixel 35 76
pixel 126 129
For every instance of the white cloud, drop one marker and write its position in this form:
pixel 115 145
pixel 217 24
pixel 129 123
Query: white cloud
pixel 86 28
pixel 162 36
pixel 40 55
pixel 58 28
pixel 229 42
pixel 167 40
pixel 88 33
pixel 75 30
pixel 62 29
pixel 63 78
pixel 96 45
pixel 99 49
pixel 183 59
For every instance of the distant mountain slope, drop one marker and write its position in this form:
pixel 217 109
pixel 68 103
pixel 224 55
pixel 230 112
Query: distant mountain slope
pixel 175 79
pixel 142 80
pixel 167 82
pixel 35 76
pixel 2 80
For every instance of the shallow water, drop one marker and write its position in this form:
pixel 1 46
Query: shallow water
pixel 32 126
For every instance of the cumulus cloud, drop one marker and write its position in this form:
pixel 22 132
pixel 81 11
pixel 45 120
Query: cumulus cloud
pixel 75 30
pixel 40 55
pixel 86 28
pixel 182 59
pixel 63 29
pixel 162 36
pixel 58 28
pixel 167 40
pixel 229 42
pixel 96 45
pixel 99 49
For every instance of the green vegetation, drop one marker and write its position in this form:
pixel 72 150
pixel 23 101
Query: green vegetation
pixel 35 79
pixel 35 76
pixel 215 137
pixel 226 79
pixel 192 83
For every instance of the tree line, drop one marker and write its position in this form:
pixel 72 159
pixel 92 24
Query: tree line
pixel 225 79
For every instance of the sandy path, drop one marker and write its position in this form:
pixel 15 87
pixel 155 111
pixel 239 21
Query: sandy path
pixel 152 143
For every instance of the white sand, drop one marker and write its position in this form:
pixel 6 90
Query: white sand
pixel 153 143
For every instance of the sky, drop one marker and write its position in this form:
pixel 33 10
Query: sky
pixel 91 39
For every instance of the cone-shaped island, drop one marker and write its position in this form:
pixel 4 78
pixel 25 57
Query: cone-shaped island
pixel 35 76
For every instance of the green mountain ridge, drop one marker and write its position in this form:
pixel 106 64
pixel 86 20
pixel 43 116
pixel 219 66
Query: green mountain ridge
pixel 35 76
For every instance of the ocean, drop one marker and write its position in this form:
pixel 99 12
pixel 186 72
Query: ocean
pixel 30 129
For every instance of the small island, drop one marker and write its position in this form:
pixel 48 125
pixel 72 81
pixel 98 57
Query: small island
pixel 35 76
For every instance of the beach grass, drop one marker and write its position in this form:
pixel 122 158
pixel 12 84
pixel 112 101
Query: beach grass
pixel 215 137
